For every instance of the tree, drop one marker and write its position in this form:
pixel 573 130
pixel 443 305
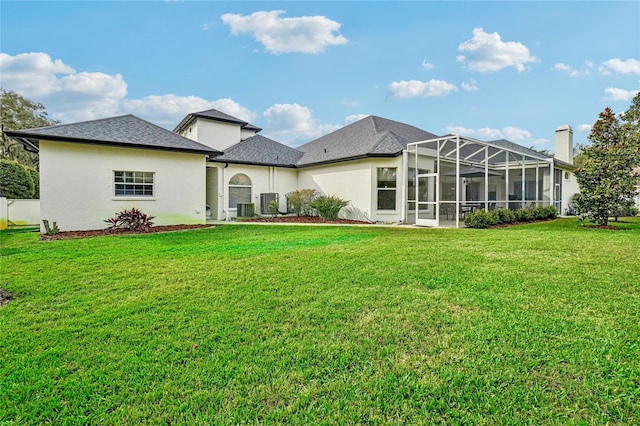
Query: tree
pixel 606 182
pixel 16 180
pixel 18 112
pixel 631 127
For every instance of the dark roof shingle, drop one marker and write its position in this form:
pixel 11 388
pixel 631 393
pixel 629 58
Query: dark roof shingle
pixel 371 136
pixel 260 150
pixel 214 114
pixel 125 130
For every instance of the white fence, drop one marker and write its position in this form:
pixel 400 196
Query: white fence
pixel 19 213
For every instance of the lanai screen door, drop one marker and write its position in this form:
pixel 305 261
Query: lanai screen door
pixel 427 198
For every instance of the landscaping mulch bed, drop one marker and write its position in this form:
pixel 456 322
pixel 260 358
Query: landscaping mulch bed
pixel 303 219
pixel 102 232
pixel 5 297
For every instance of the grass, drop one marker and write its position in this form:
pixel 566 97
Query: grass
pixel 533 324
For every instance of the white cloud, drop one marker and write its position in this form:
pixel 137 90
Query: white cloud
pixel 572 72
pixel 515 134
pixel 426 65
pixel 459 130
pixel 630 66
pixel 487 53
pixel 354 117
pixel 305 34
pixel 294 124
pixel 616 94
pixel 415 88
pixel 584 127
pixel 470 86
pixel 168 110
pixel 70 94
pixel 511 133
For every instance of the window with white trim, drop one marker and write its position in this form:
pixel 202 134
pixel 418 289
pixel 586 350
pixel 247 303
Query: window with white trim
pixel 239 190
pixel 387 188
pixel 133 184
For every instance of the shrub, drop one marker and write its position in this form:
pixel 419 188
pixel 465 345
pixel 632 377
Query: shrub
pixel 328 206
pixel 538 213
pixel 299 201
pixel 273 208
pixel 132 219
pixel 15 180
pixel 523 215
pixel 485 219
pixel 505 215
pixel 481 219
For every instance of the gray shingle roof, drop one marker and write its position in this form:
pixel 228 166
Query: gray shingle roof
pixel 125 130
pixel 260 150
pixel 214 114
pixel 503 143
pixel 372 136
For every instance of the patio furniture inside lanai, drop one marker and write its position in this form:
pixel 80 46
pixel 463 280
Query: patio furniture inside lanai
pixel 451 176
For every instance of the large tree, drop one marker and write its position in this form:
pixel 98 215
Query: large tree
pixel 607 185
pixel 18 112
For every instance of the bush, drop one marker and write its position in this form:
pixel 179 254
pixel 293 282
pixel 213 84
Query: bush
pixel 299 201
pixel 481 219
pixel 523 215
pixel 328 206
pixel 15 180
pixel 132 219
pixel 505 216
pixel 484 219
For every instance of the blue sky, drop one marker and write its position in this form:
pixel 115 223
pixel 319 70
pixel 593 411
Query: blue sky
pixel 302 69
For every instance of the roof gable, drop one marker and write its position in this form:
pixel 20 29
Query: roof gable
pixel 260 150
pixel 125 130
pixel 215 115
pixel 371 136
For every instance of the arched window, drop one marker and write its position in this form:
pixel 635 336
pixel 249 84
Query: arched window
pixel 239 190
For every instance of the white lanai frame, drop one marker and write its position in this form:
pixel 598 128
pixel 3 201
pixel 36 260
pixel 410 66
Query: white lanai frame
pixel 451 176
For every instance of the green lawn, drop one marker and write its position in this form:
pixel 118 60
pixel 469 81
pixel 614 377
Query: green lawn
pixel 533 324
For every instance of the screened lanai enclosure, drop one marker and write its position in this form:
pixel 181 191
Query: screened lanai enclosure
pixel 452 176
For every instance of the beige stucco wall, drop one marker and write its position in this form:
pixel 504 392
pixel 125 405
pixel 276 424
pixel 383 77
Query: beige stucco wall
pixel 570 187
pixel 264 179
pixel 216 134
pixel 355 181
pixel 77 188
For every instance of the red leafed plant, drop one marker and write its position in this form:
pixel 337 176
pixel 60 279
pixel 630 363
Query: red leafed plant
pixel 132 219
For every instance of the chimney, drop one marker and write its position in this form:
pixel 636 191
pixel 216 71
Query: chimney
pixel 564 144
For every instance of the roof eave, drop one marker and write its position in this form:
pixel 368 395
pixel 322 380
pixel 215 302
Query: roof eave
pixel 31 138
pixel 352 158
pixel 564 164
pixel 252 163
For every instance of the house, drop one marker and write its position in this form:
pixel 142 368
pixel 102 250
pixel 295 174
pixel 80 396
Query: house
pixel 93 169
pixel 213 165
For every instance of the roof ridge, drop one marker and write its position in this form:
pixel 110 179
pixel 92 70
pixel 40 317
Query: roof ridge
pixel 383 137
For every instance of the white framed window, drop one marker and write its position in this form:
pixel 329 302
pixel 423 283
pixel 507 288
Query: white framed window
pixel 133 184
pixel 387 183
pixel 239 190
